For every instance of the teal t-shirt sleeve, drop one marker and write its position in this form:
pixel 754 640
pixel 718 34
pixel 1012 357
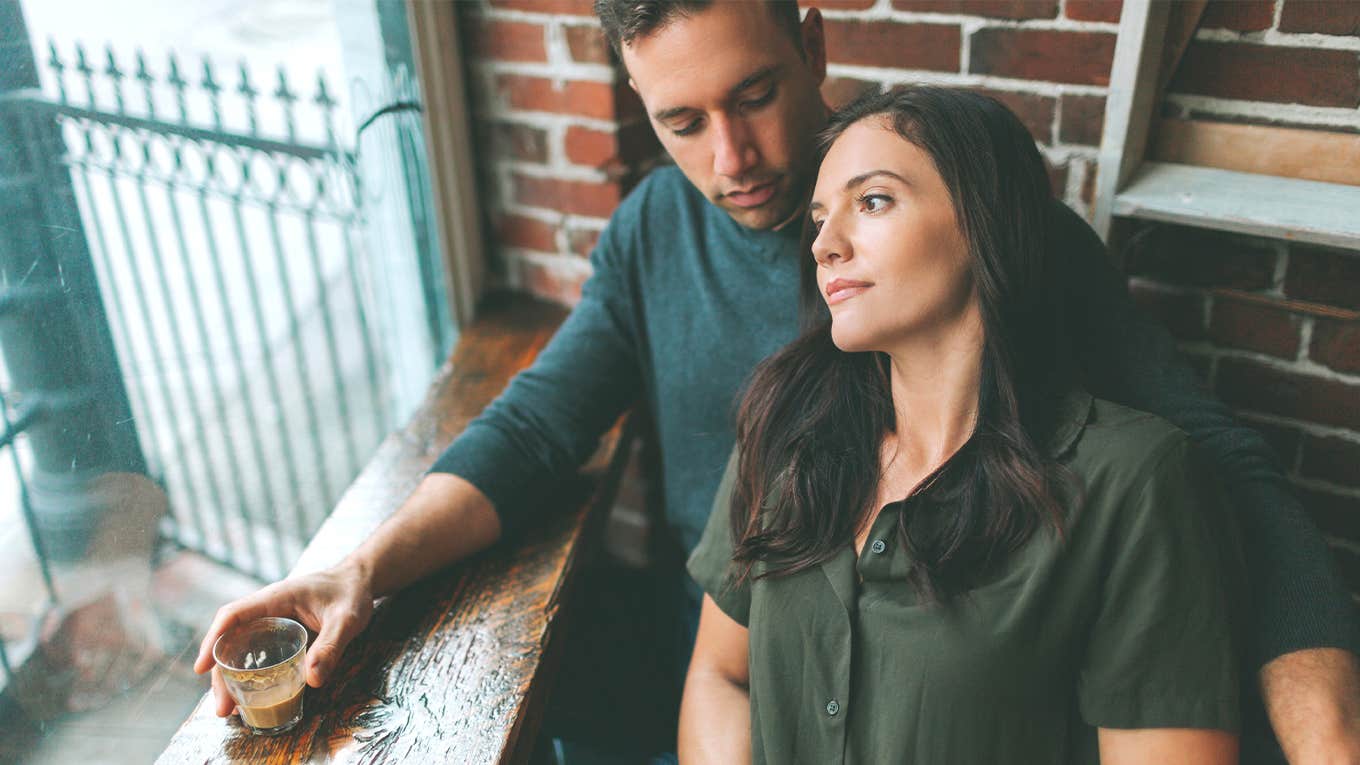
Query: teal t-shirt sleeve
pixel 551 416
pixel 1161 652
pixel 711 562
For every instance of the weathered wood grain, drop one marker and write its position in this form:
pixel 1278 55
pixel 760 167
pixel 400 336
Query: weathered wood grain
pixel 453 669
pixel 1245 203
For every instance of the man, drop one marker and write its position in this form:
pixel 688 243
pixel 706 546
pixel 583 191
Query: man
pixel 695 280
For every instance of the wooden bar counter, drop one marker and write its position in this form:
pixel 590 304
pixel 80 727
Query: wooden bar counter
pixel 455 669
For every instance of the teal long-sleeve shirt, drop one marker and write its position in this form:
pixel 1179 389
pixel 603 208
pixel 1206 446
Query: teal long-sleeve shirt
pixel 684 302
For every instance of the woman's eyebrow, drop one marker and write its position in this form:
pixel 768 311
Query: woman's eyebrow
pixel 857 180
pixel 862 177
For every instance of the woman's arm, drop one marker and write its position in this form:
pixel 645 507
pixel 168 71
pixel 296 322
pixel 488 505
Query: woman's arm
pixel 715 713
pixel 1167 746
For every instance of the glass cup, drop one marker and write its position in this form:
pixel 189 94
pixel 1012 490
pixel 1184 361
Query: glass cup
pixel 262 664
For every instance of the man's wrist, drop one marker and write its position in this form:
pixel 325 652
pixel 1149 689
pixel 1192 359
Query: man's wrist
pixel 358 569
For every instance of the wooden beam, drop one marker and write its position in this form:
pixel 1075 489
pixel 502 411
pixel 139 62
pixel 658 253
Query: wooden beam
pixel 1260 205
pixel 1182 21
pixel 1128 107
pixel 1312 155
pixel 436 48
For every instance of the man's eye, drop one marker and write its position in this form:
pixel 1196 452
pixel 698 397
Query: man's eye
pixel 689 128
pixel 816 226
pixel 760 100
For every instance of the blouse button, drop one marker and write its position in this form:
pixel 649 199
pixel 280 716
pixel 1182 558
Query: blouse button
pixel 832 707
pixel 878 546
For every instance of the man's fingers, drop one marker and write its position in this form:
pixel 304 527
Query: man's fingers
pixel 335 634
pixel 228 616
pixel 225 704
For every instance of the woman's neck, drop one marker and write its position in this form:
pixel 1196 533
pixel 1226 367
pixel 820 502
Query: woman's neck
pixel 935 381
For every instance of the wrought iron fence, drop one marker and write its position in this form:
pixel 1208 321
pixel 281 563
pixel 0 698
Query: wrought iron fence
pixel 14 424
pixel 230 260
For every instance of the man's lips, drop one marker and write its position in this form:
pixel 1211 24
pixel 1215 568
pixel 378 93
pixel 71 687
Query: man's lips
pixel 840 290
pixel 754 196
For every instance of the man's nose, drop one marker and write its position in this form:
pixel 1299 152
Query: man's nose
pixel 734 154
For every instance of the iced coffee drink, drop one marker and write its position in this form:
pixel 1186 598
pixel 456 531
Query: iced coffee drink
pixel 262 664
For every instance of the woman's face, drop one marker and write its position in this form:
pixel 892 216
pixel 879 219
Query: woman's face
pixel 892 264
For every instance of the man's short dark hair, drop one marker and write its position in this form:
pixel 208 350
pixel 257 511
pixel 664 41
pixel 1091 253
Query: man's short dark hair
pixel 626 20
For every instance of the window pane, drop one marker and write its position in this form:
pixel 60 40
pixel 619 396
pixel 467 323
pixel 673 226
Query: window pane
pixel 218 292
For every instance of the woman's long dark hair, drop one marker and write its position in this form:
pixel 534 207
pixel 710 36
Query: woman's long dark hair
pixel 811 423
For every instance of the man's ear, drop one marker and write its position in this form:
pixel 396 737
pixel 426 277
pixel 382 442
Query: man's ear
pixel 814 44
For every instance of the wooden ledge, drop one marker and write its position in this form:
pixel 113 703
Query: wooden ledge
pixel 455 668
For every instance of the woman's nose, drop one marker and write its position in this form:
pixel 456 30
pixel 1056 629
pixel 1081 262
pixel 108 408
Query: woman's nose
pixel 830 246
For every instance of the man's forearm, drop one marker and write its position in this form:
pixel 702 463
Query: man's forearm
pixel 444 520
pixel 1313 698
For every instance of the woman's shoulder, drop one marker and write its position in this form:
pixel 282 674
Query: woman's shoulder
pixel 1127 445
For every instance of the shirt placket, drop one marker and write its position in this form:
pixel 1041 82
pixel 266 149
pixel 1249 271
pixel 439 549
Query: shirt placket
pixel 832 704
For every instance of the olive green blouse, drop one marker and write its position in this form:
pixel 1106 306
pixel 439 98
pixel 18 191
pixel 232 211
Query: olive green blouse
pixel 1123 623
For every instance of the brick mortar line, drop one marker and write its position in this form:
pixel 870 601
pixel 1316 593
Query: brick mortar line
pixel 880 13
pixel 1318 484
pixel 1168 288
pixel 894 76
pixel 557 218
pixel 1277 39
pixel 1281 272
pixel 1067 152
pixel 565 260
pixel 557 72
pixel 1332 116
pixel 1349 546
pixel 966 30
pixel 544 120
pixel 1276 299
pixel 583 173
pixel 1310 369
pixel 558 261
pixel 535 17
pixel 545 213
pixel 1304 426
pixel 1305 340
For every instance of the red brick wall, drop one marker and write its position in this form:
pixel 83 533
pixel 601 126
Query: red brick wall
pixel 1273 327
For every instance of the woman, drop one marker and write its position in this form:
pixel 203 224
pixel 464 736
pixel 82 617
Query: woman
pixel 931 545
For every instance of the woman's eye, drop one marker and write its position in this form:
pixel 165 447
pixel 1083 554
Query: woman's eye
pixel 875 202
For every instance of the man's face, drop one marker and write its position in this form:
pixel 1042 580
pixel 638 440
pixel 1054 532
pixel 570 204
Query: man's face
pixel 736 105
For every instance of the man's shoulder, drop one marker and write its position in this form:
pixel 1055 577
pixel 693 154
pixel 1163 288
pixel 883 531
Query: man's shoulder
pixel 660 214
pixel 665 192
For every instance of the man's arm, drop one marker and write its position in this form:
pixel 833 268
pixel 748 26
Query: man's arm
pixel 337 603
pixel 487 484
pixel 1297 602
pixel 1313 698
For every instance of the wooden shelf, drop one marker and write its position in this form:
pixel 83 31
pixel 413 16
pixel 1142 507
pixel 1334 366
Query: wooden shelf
pixel 1246 203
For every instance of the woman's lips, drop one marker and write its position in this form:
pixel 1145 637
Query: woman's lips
pixel 752 197
pixel 840 290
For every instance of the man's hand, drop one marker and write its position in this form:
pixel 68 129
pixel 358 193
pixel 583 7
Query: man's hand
pixel 1313 698
pixel 336 604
